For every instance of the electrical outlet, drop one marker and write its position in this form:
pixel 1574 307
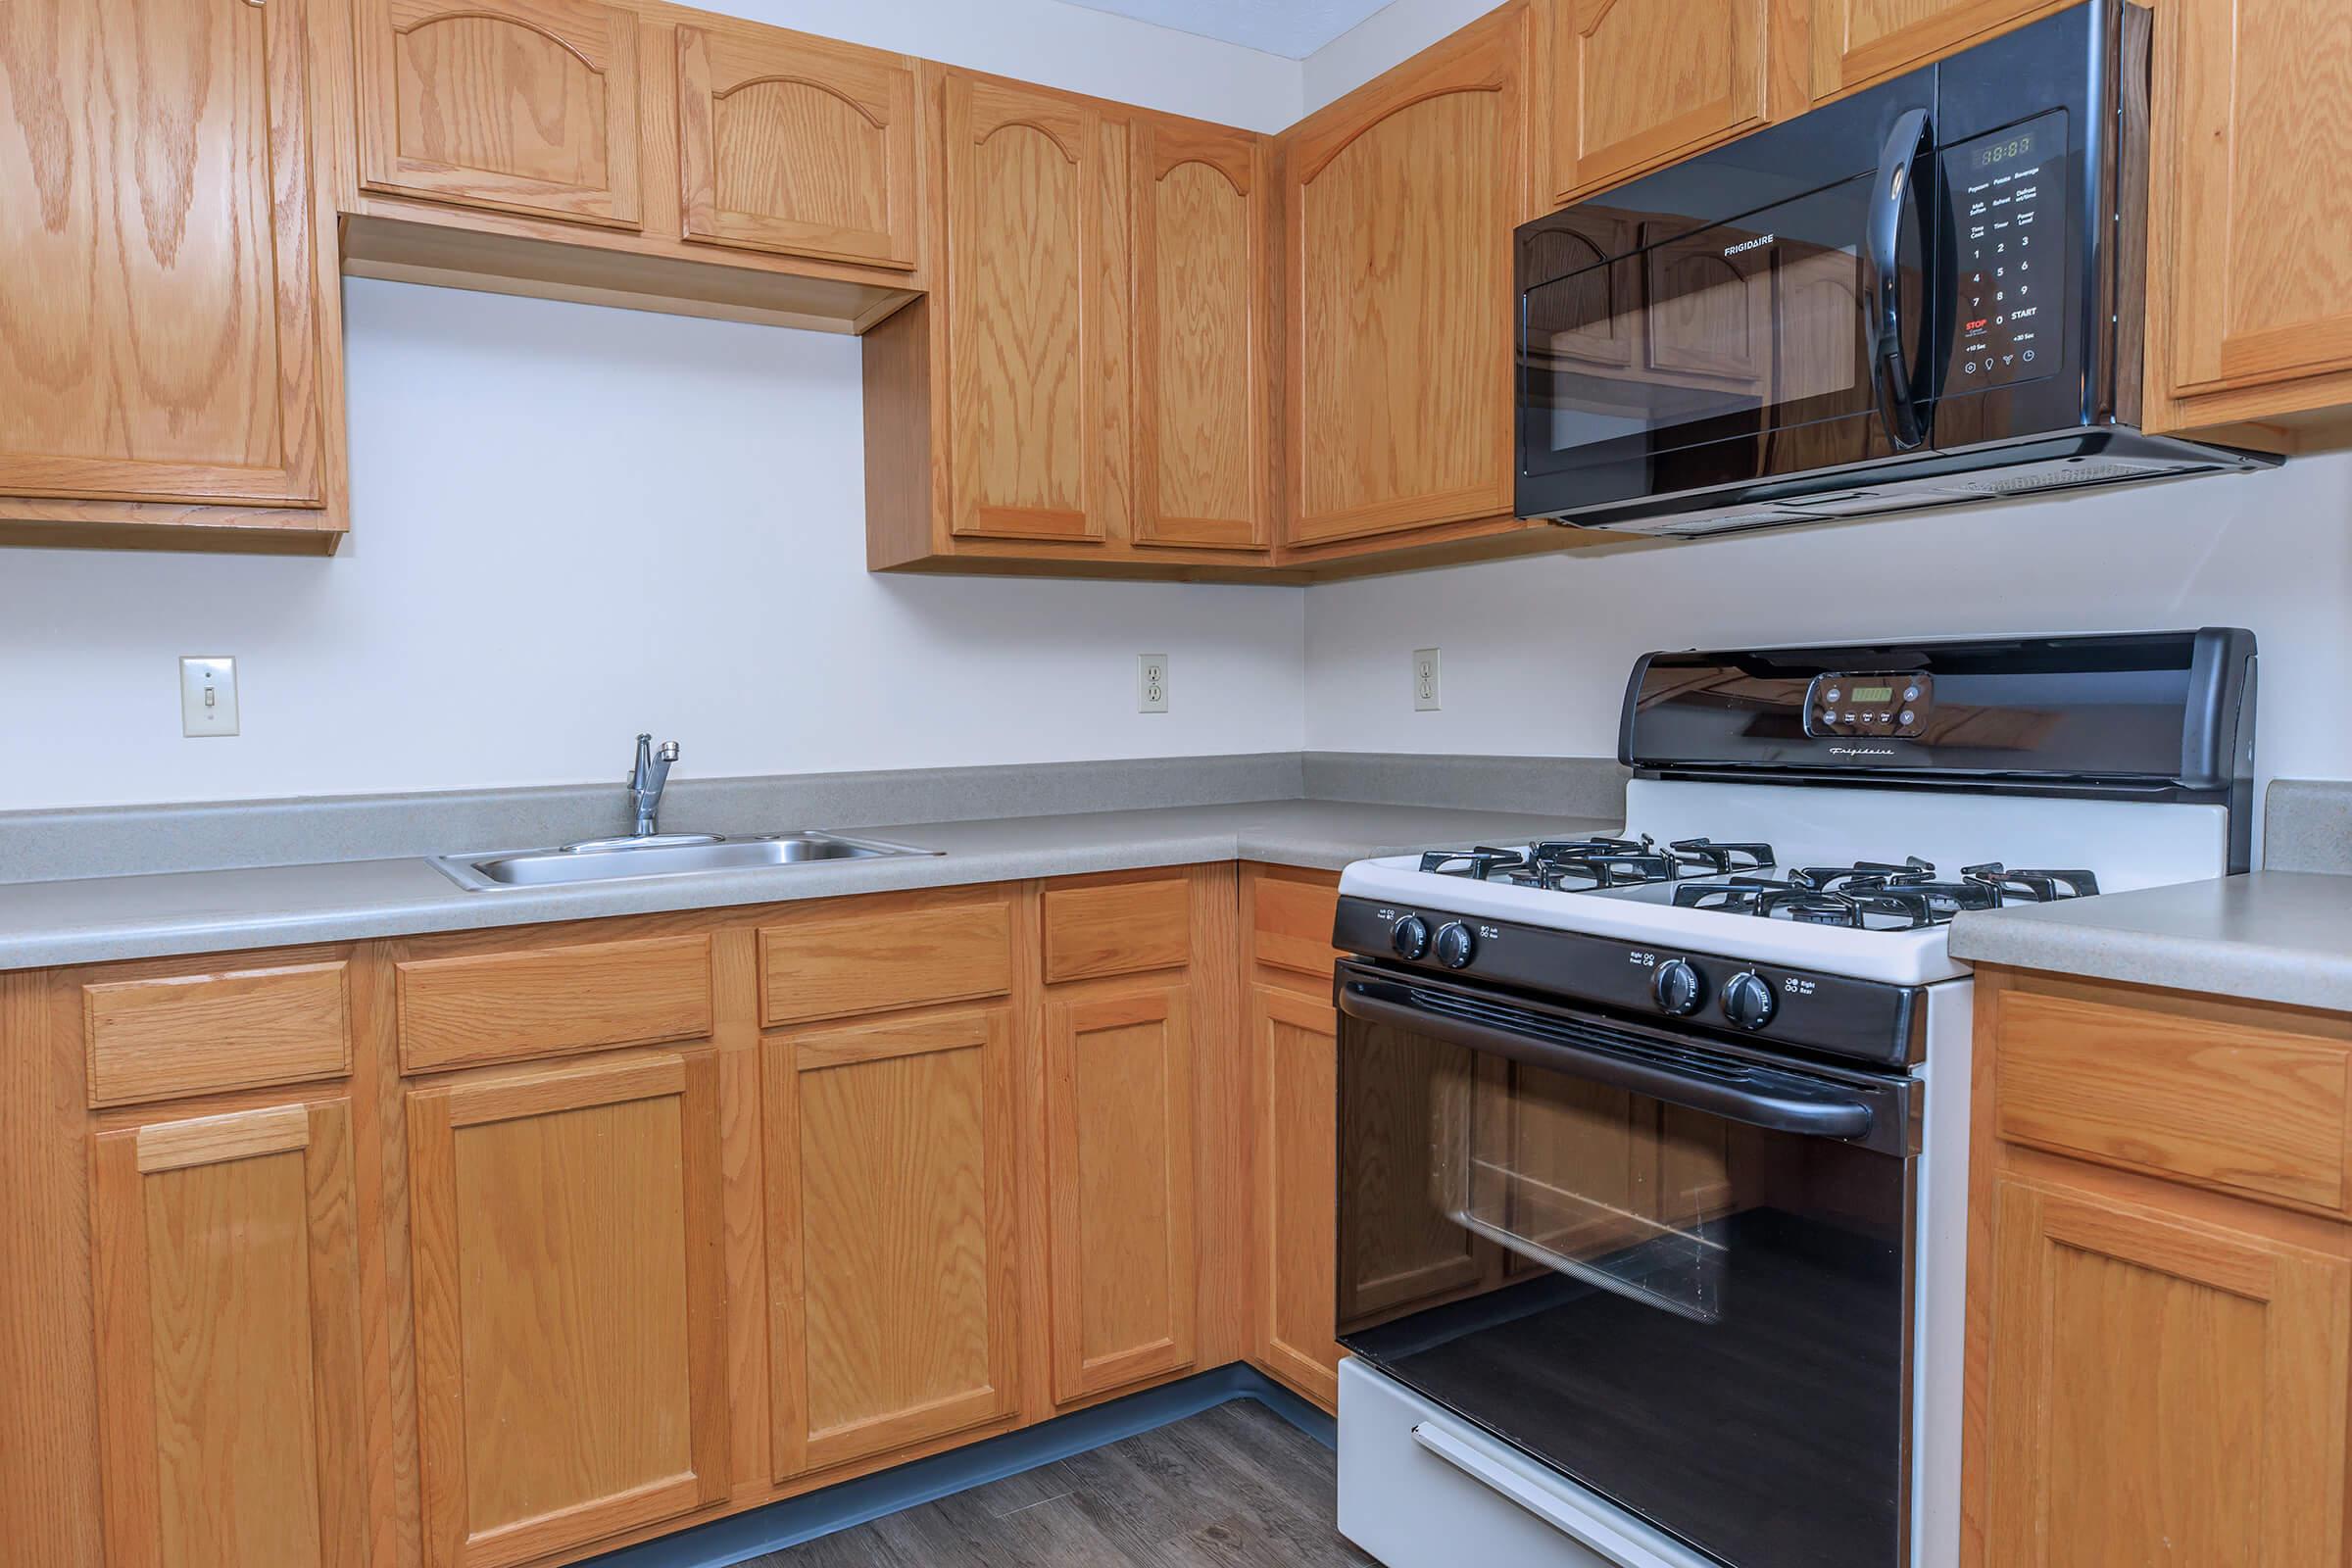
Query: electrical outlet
pixel 1151 683
pixel 208 696
pixel 1425 679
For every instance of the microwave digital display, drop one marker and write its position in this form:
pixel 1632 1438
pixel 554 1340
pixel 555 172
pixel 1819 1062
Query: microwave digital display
pixel 2008 193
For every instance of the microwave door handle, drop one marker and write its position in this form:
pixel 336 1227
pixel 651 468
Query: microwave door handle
pixel 1890 197
pixel 1808 1116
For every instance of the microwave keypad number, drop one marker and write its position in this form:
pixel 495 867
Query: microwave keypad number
pixel 1869 707
pixel 2009 200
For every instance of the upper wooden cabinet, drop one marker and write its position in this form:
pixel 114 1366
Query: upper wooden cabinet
pixel 168 332
pixel 1856 42
pixel 1203 348
pixel 528 106
pixel 1398 204
pixel 1633 84
pixel 797 145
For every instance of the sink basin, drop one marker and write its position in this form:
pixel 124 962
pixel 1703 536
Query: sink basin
pixel 672 855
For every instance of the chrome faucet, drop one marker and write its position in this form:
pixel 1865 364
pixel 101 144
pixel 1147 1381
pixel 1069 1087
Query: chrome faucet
pixel 645 781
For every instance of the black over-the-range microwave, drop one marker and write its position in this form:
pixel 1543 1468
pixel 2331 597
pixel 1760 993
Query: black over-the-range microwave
pixel 1927 294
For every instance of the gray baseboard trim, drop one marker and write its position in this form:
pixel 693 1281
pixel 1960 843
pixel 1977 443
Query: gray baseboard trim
pixel 2306 825
pixel 851 1503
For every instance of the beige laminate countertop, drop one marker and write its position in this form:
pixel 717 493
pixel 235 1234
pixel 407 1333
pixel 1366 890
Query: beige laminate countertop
pixel 2268 936
pixel 95 919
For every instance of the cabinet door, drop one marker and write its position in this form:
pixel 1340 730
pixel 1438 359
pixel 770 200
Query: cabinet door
pixel 797 144
pixel 1024 265
pixel 1856 42
pixel 891 1255
pixel 160 307
pixel 2161 1389
pixel 1201 346
pixel 1298 1044
pixel 570 1373
pixel 1636 83
pixel 228 1309
pixel 526 106
pixel 1399 208
pixel 2262 237
pixel 1119 1140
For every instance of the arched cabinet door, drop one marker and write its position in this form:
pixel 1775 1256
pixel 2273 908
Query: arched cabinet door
pixel 1026 286
pixel 1201 343
pixel 522 106
pixel 797 145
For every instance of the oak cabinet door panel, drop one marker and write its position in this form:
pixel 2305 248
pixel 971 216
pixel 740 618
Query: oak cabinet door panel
pixel 569 1305
pixel 1856 42
pixel 1296 1043
pixel 161 331
pixel 891 1250
pixel 228 1325
pixel 524 106
pixel 797 145
pixel 1637 83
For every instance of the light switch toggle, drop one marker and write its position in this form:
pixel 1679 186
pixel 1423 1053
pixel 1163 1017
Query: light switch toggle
pixel 207 696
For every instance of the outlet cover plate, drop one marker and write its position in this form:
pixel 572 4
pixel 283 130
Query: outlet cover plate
pixel 1425 693
pixel 1151 683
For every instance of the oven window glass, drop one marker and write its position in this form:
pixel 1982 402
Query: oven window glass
pixel 1652 338
pixel 1700 1318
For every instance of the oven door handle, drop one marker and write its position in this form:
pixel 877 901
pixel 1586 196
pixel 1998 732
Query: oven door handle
pixel 1778 1101
pixel 1890 366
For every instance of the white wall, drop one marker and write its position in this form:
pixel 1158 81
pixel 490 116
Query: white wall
pixel 572 523
pixel 1535 652
pixel 1388 37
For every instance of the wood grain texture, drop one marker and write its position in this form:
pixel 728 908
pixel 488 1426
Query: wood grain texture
pixel 528 106
pixel 162 1035
pixel 1289 920
pixel 1119 1087
pixel 1857 42
pixel 163 332
pixel 1094 929
pixel 1298 1045
pixel 226 1291
pixel 891 1284
pixel 570 1320
pixel 1399 205
pixel 1204 350
pixel 1633 85
pixel 846 956
pixel 508 1002
pixel 800 145
pixel 2259 1112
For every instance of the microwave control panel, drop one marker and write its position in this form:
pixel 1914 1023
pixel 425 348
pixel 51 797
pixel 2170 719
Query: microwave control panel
pixel 2008 195
pixel 1869 706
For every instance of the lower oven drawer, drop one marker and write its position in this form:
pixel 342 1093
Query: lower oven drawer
pixel 1419 1489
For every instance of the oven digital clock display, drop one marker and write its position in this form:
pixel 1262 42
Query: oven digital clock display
pixel 1869 707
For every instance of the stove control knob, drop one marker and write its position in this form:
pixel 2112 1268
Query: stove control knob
pixel 1454 946
pixel 1676 987
pixel 1748 1000
pixel 1411 938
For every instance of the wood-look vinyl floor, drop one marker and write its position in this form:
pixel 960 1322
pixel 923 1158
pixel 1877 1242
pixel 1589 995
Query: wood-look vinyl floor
pixel 1236 1487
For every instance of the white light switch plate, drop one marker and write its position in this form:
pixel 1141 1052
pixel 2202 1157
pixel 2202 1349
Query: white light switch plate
pixel 208 696
pixel 1425 679
pixel 1151 683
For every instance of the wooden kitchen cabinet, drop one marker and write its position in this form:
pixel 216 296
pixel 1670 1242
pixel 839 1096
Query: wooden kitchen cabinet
pixel 570 1309
pixel 1633 85
pixel 227 1311
pixel 1857 42
pixel 1398 203
pixel 171 355
pixel 799 145
pixel 892 1269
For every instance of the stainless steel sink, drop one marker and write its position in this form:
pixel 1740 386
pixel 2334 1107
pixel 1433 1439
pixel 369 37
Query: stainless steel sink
pixel 668 854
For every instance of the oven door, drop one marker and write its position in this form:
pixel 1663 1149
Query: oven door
pixel 1673 1267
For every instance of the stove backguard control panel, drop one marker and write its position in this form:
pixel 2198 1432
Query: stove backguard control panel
pixel 2009 206
pixel 1867 704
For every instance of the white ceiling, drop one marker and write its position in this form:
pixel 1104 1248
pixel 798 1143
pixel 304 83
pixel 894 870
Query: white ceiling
pixel 1291 29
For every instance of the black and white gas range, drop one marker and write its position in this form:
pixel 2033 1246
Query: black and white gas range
pixel 1652 1146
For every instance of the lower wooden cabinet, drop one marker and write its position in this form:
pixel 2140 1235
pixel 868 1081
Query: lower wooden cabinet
pixel 2162 1389
pixel 1297 1040
pixel 1120 1190
pixel 890 1269
pixel 571 1379
pixel 229 1342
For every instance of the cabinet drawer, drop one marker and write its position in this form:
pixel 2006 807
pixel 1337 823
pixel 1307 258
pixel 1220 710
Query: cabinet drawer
pixel 836 964
pixel 1118 928
pixel 2216 1103
pixel 163 1036
pixel 499 1007
pixel 1291 925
